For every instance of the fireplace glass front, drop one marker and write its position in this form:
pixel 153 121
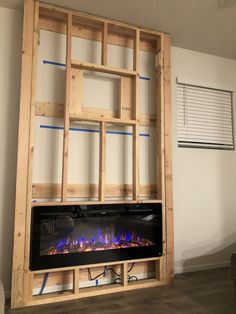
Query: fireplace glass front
pixel 88 234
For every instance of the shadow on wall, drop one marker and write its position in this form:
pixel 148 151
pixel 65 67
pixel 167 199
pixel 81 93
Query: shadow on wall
pixel 218 256
pixel 9 94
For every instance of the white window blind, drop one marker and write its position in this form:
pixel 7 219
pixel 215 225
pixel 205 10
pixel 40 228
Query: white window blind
pixel 204 117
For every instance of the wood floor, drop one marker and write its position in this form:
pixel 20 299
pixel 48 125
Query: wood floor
pixel 209 291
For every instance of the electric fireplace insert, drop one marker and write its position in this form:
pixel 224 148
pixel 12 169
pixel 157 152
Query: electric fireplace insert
pixel 88 234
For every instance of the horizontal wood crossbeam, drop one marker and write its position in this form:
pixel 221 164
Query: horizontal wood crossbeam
pixel 92 118
pixel 96 291
pixel 74 203
pixel 52 270
pixel 44 190
pixel 103 68
pixel 53 19
pixel 49 109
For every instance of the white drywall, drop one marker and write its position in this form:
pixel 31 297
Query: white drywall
pixel 204 180
pixel 10 62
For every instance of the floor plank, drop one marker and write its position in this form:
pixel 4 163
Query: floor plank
pixel 203 292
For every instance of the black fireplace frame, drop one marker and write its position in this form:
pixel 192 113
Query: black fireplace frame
pixel 40 262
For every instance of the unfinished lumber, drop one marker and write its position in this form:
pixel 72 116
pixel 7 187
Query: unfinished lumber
pixel 168 159
pixel 102 68
pixel 53 190
pixel 17 294
pixel 67 108
pixel 135 162
pixel 76 101
pixel 102 162
pixel 31 194
pixel 104 43
pixel 49 109
pixel 27 278
pixel 125 110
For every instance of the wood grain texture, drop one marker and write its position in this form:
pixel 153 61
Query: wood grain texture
pixel 104 43
pixel 102 162
pixel 67 108
pixel 27 278
pixel 76 92
pixel 160 145
pixel 72 109
pixel 51 18
pixel 102 68
pixel 136 51
pixel 96 202
pixel 49 109
pixel 135 160
pixel 52 190
pixel 126 85
pixel 22 157
pixel 168 159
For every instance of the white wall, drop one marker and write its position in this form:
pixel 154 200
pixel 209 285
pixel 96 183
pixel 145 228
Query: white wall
pixel 204 180
pixel 10 47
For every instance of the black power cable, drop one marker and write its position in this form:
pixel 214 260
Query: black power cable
pixel 45 279
pixel 118 279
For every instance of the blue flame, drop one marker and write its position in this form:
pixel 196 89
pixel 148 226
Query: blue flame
pixel 128 236
pixel 106 238
pixel 60 244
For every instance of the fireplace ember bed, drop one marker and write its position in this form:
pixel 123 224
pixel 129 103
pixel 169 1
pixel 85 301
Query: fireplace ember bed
pixel 64 236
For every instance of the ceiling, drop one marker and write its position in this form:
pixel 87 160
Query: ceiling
pixel 208 26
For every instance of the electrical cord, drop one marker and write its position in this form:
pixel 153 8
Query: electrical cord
pixel 45 279
pixel 132 278
pixel 118 279
pixel 132 266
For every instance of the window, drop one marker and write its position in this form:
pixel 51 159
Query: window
pixel 204 117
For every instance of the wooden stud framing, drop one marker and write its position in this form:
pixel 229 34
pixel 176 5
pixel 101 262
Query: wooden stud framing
pixel 76 280
pixel 168 160
pixel 135 97
pixel 136 50
pixel 93 118
pixel 58 26
pixel 104 43
pixel 102 162
pixel 67 107
pixel 125 111
pixel 55 203
pixel 60 20
pixel 48 109
pixel 102 68
pixel 27 278
pixel 17 294
pixel 160 129
pixel 53 190
pixel 135 162
pixel 76 92
pixel 124 274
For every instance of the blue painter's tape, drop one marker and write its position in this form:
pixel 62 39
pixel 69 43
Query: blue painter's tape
pixel 54 63
pixel 71 129
pixel 144 78
pixel 53 127
pixel 63 65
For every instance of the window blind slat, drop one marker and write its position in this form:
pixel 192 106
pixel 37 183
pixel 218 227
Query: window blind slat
pixel 204 90
pixel 208 106
pixel 204 117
